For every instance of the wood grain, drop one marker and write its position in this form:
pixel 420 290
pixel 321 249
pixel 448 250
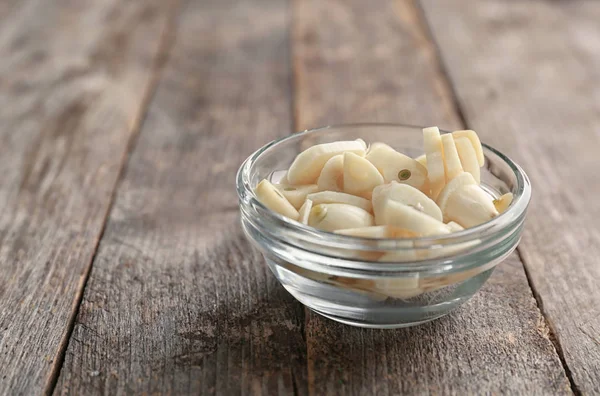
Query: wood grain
pixel 529 82
pixel 359 62
pixel 73 78
pixel 177 301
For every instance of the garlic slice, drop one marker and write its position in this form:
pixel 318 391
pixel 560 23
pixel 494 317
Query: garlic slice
pixel 331 217
pixel 360 176
pixel 296 195
pixel 339 197
pixel 407 217
pixel 405 194
pixel 468 158
pixel 434 153
pixel 307 166
pixel 332 175
pixel 452 165
pixel 274 200
pixel 305 211
pixel 475 142
pixel 503 202
pixel 395 166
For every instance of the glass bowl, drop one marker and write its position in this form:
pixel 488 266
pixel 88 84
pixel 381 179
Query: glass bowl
pixel 340 276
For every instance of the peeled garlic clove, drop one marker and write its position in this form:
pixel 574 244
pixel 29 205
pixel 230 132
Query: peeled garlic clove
pixel 296 195
pixel 274 200
pixel 331 217
pixel 339 197
pixel 468 157
pixel 375 232
pixel 360 176
pixel 395 166
pixel 305 211
pixel 502 203
pixel 400 256
pixel 434 153
pixel 407 217
pixel 406 194
pixel 452 165
pixel 378 232
pixel 422 159
pixel 454 227
pixel 470 206
pixel 332 175
pixel 307 166
pixel 459 181
pixel 398 287
pixel 475 142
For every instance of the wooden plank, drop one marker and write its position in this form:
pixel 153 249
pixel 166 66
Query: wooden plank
pixel 73 78
pixel 528 78
pixel 177 302
pixel 356 62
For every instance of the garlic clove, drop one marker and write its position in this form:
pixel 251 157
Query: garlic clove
pixel 395 166
pixel 274 200
pixel 305 211
pixel 434 153
pixel 296 195
pixel 360 176
pixel 475 142
pixel 405 194
pixel 452 165
pixel 468 158
pixel 307 166
pixel 503 202
pixel 339 197
pixel 332 217
pixel 404 216
pixel 332 175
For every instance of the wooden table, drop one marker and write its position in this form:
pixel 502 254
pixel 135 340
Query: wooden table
pixel 123 268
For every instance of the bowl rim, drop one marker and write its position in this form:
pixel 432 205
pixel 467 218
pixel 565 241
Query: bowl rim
pixel 507 219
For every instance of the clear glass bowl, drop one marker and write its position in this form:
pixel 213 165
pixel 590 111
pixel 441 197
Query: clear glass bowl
pixel 339 276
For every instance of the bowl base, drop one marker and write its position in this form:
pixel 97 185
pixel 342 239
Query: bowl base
pixel 370 325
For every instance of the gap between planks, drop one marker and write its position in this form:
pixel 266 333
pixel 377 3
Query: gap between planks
pixel 165 44
pixel 441 69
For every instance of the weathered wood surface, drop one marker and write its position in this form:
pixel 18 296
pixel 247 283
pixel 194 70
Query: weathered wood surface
pixel 73 78
pixel 355 61
pixel 177 301
pixel 528 77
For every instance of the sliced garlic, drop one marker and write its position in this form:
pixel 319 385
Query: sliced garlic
pixel 274 200
pixel 305 211
pixel 360 176
pixel 378 232
pixel 398 287
pixel 468 157
pixel 463 179
pixel 434 153
pixel 454 227
pixel 339 197
pixel 422 159
pixel 331 217
pixel 503 202
pixel 470 206
pixel 407 217
pixel 296 195
pixel 405 194
pixel 395 166
pixel 475 142
pixel 307 166
pixel 332 175
pixel 452 165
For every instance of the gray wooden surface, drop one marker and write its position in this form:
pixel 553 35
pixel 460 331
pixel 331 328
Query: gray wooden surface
pixel 123 269
pixel 70 98
pixel 539 101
